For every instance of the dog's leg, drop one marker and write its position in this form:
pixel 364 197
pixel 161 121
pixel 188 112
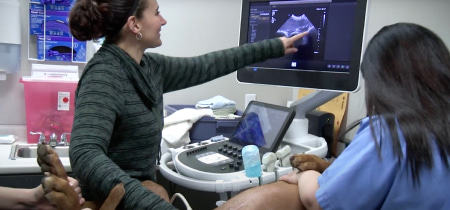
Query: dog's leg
pixel 305 162
pixel 157 189
pixel 58 191
pixel 56 186
pixel 114 198
pixel 111 202
pixel 49 161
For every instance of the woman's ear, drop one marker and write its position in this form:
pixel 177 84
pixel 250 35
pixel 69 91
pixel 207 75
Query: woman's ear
pixel 132 24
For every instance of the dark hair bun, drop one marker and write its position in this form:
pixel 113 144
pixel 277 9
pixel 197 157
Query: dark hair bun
pixel 88 19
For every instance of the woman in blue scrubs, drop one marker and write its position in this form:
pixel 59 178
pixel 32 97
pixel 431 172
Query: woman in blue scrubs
pixel 400 157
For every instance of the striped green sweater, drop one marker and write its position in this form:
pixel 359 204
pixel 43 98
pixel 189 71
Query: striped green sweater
pixel 115 136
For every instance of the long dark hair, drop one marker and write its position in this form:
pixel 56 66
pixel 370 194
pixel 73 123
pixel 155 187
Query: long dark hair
pixel 407 74
pixel 92 19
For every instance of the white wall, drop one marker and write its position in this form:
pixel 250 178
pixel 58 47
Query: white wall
pixel 199 26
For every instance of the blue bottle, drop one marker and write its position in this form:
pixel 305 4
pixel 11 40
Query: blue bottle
pixel 252 161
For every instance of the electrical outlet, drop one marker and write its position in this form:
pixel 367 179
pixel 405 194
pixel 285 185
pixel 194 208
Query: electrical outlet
pixel 288 104
pixel 248 98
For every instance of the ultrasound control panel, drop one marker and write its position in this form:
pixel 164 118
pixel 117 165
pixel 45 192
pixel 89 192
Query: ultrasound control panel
pixel 213 157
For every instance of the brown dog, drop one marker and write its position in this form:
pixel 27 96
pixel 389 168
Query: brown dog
pixel 57 189
pixel 62 196
pixel 305 162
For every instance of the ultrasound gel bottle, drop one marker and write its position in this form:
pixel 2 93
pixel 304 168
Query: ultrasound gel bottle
pixel 252 161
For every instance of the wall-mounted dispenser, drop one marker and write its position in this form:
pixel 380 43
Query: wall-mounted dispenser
pixel 10 37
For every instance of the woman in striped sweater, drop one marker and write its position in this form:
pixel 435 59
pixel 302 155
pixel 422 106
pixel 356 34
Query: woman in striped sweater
pixel 118 121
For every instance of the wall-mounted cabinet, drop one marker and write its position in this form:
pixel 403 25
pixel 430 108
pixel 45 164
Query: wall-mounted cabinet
pixel 10 42
pixel 49 37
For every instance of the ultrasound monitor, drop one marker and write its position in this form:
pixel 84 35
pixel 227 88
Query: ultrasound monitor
pixel 264 125
pixel 328 57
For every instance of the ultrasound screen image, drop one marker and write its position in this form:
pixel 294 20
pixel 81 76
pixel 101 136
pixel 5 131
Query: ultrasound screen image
pixel 327 45
pixel 294 19
pixel 297 25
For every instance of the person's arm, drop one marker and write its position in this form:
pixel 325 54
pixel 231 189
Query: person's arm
pixel 359 171
pixel 183 72
pixel 34 198
pixel 19 198
pixel 307 187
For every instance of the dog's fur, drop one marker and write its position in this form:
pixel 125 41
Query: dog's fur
pixel 61 195
pixel 56 187
pixel 305 162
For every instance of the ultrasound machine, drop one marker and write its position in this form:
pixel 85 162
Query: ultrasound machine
pixel 327 60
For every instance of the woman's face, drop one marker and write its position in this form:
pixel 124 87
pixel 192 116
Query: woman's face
pixel 151 24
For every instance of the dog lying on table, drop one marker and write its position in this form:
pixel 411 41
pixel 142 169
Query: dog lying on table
pixel 61 195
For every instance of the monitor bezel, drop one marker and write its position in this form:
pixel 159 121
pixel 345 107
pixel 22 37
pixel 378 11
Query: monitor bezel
pixel 320 80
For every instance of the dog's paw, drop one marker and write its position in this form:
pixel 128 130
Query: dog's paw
pixel 49 161
pixel 59 193
pixel 305 162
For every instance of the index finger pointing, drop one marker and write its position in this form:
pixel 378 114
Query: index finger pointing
pixel 299 36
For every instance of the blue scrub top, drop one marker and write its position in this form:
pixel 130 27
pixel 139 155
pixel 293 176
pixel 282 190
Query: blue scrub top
pixel 360 179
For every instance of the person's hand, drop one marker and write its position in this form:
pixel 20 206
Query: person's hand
pixel 288 43
pixel 60 193
pixel 41 202
pixel 292 177
pixel 74 184
pixel 304 162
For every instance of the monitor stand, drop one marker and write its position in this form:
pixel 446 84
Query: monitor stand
pixel 297 136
